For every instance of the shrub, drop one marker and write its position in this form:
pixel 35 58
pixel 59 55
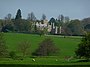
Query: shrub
pixel 46 48
pixel 12 55
pixel 3 47
pixel 84 47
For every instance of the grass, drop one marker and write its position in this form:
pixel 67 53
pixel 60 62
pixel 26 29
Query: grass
pixel 42 61
pixel 66 45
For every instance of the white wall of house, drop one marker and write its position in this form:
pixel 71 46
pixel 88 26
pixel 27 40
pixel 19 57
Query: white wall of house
pixel 49 27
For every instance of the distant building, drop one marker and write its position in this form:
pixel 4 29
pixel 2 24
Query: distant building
pixel 50 28
pixel 42 25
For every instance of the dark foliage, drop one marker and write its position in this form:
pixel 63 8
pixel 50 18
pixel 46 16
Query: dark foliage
pixel 12 54
pixel 18 15
pixel 46 48
pixel 84 47
pixel 7 28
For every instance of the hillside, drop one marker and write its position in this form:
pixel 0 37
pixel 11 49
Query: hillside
pixel 66 45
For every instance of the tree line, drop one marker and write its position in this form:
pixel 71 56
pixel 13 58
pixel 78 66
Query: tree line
pixel 68 26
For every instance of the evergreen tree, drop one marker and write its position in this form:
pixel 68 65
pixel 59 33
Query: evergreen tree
pixel 18 15
pixel 18 21
pixel 31 17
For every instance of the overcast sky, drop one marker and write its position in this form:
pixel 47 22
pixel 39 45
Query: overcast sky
pixel 51 8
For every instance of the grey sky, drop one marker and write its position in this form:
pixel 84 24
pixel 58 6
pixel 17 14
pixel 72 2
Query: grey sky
pixel 52 8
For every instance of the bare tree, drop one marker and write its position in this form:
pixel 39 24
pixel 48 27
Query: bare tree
pixel 43 17
pixel 67 19
pixel 59 18
pixel 62 18
pixel 31 16
pixel 9 16
pixel 24 47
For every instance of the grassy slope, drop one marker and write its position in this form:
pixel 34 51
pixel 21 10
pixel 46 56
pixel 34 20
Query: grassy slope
pixel 67 47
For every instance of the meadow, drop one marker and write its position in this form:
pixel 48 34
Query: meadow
pixel 66 45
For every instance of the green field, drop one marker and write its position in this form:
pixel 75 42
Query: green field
pixel 66 45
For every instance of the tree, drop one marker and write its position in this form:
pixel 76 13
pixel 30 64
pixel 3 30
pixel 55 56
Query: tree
pixel 7 28
pixel 62 18
pixel 32 22
pixel 8 24
pixel 43 17
pixel 24 26
pixel 59 18
pixel 3 48
pixel 24 47
pixel 76 27
pixel 31 17
pixel 9 16
pixel 67 19
pixel 12 54
pixel 1 24
pixel 85 21
pixel 18 15
pixel 86 24
pixel 83 49
pixel 46 48
pixel 45 30
pixel 87 28
pixel 18 21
